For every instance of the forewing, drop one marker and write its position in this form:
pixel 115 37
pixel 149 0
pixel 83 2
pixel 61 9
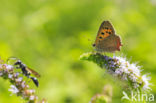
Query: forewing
pixel 106 29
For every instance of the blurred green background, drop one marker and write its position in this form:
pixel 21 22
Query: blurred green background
pixel 50 35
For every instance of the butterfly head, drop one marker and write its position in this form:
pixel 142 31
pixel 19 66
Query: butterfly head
pixel 93 45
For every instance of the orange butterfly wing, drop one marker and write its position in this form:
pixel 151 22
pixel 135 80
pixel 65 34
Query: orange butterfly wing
pixel 105 30
pixel 106 40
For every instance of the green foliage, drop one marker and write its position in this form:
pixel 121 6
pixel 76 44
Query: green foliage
pixel 94 57
pixel 100 99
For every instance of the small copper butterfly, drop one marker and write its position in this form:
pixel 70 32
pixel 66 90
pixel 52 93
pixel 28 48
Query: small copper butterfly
pixel 106 39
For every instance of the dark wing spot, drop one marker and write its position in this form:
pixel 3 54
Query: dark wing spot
pixel 100 37
pixel 109 32
pixel 106 28
pixel 106 31
pixel 102 33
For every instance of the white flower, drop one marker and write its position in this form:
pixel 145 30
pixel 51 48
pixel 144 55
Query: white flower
pixel 16 74
pixel 23 84
pixel 133 77
pixel 135 69
pixel 32 97
pixel 32 91
pixel 10 76
pixel 131 71
pixel 19 79
pixel 146 82
pixel 1 73
pixel 135 85
pixel 9 67
pixel 0 65
pixel 13 89
pixel 120 68
pixel 118 71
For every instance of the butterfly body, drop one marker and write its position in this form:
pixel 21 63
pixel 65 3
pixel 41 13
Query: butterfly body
pixel 107 40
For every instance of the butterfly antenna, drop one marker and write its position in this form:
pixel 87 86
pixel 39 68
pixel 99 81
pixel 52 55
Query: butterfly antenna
pixel 88 39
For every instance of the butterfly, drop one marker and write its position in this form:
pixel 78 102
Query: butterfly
pixel 106 39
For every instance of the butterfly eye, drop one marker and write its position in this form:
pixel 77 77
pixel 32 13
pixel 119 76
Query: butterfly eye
pixel 94 45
